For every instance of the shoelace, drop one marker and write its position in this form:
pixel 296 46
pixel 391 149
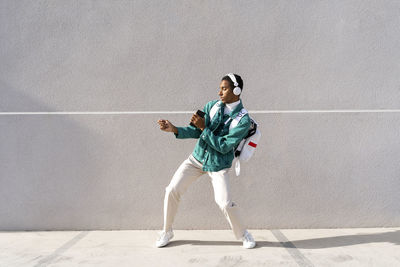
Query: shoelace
pixel 162 235
pixel 248 237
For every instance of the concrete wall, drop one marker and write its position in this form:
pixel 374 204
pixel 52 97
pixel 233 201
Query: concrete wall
pixel 109 171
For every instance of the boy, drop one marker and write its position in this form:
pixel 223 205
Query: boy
pixel 213 154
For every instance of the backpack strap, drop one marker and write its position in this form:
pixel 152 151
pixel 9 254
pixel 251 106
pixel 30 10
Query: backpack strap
pixel 214 109
pixel 238 117
pixel 235 121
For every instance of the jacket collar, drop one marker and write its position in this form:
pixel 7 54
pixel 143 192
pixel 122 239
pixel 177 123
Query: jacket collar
pixel 235 111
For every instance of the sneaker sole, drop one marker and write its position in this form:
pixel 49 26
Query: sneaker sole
pixel 251 246
pixel 160 246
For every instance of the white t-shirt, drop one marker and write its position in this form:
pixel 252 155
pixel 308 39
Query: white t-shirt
pixel 229 107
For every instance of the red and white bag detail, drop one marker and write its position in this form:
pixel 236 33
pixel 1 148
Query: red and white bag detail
pixel 246 148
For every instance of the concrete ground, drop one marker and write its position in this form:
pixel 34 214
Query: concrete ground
pixel 278 247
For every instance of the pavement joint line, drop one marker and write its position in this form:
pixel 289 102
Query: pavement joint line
pixel 300 259
pixel 47 260
pixel 190 112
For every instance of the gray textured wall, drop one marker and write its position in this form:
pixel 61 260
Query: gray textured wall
pixel 109 171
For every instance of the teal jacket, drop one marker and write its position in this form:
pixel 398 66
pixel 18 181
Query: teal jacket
pixel 216 144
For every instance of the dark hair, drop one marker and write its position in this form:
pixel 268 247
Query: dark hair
pixel 238 79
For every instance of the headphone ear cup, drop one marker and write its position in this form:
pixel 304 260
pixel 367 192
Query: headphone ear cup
pixel 237 91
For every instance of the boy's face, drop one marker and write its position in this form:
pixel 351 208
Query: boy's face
pixel 226 93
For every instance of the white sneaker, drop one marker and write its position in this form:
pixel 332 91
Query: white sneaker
pixel 164 238
pixel 248 240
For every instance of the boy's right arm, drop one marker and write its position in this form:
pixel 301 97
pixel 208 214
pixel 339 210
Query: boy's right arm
pixel 187 132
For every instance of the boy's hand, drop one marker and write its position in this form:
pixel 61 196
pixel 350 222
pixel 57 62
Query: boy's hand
pixel 166 126
pixel 198 121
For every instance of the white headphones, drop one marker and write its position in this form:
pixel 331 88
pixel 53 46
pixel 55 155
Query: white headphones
pixel 237 90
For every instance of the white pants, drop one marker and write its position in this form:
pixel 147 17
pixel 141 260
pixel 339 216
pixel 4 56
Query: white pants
pixel 188 172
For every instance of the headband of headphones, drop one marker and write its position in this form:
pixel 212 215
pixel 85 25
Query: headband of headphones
pixel 237 90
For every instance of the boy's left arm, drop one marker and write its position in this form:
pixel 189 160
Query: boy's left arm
pixel 192 131
pixel 226 143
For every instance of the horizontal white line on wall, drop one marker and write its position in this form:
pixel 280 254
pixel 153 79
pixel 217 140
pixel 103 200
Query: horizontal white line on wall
pixel 190 112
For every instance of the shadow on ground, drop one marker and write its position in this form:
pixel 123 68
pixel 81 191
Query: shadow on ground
pixel 314 243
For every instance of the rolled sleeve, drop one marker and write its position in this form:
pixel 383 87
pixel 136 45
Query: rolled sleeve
pixel 187 132
pixel 206 132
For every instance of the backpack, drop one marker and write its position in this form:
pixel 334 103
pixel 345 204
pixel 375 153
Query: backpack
pixel 246 148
